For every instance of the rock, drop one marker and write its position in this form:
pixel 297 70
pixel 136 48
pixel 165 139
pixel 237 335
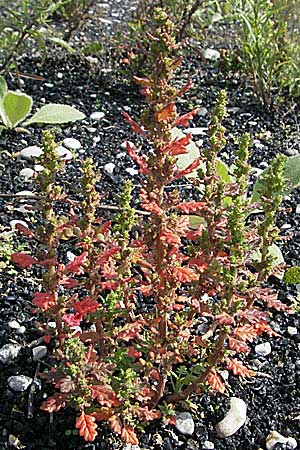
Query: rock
pixel 13 223
pixel 31 152
pixel 208 445
pixel 202 112
pixel 211 54
pixel 59 75
pixel 286 226
pixel 19 383
pixel 39 168
pixel 124 145
pixel 234 419
pixel 275 438
pixel 292 331
pixel 92 129
pixel 290 152
pixel 13 324
pixel 97 115
pixel 26 193
pixel 263 349
pixel 70 256
pixel 64 153
pixel 9 352
pixel 131 447
pixel 21 330
pixel 197 131
pixel 72 143
pixel 185 423
pixel 26 173
pixel 131 171
pixel 109 168
pixel 39 352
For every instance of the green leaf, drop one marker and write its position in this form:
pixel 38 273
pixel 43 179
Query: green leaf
pixel 55 113
pixel 223 171
pixel 291 173
pixel 3 91
pixel 61 43
pixel 186 159
pixel 16 106
pixel 3 88
pixel 274 251
pixel 196 221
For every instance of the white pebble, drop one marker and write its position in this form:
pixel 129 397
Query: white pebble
pixel 72 144
pixel 263 349
pixel 31 152
pixel 27 193
pixel 9 352
pixel 19 383
pixel 131 171
pixel 26 173
pixel 13 324
pixel 211 54
pixel 234 419
pixel 71 256
pixel 39 352
pixel 197 131
pixel 124 145
pixel 64 153
pixel 208 445
pixel 21 330
pixel 97 115
pixel 39 168
pixel 185 423
pixel 292 331
pixel 59 75
pixel 109 167
pixel 275 438
pixel 298 209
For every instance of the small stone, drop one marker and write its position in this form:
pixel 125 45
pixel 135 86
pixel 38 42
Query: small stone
pixel 121 155
pixel 292 331
pixel 13 324
pixel 14 441
pixel 71 256
pixel 19 383
pixel 26 173
pixel 298 209
pixel 131 171
pixel 208 445
pixel 202 112
pixel 49 85
pixel 21 330
pixel 263 165
pixel 131 447
pixel 185 423
pixel 97 115
pixel 39 168
pixel 39 352
pixel 71 143
pixel 197 131
pixel 258 144
pixel 13 223
pixel 290 152
pixel 109 168
pixel 286 226
pixel 234 419
pixel 124 145
pixel 224 374
pixel 31 152
pixel 26 193
pixel 211 54
pixel 263 349
pixel 59 75
pixel 91 129
pixel 275 438
pixel 9 352
pixel 64 153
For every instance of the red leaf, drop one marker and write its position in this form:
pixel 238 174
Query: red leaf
pixel 24 230
pixel 129 331
pixel 76 266
pixel 133 352
pixel 178 146
pixel 129 436
pixel 47 338
pixel 192 206
pixel 239 369
pixel 54 403
pixel 87 427
pixel 185 274
pixel 48 262
pixel 23 260
pixel 102 413
pixel 246 333
pixel 185 118
pixel 86 306
pixel 140 160
pixel 104 395
pixel 166 113
pixel 216 382
pixel 224 319
pixel 73 320
pixel 69 282
pixel 44 300
pixel 188 169
pixel 115 424
pixel 133 124
pixel 238 346
pixel 169 237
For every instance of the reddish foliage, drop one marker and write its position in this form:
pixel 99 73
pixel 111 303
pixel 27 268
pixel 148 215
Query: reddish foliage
pixel 87 427
pixel 185 118
pixel 24 230
pixel 86 306
pixel 54 403
pixel 133 124
pixel 129 436
pixel 23 260
pixel 77 265
pixel 44 300
pixel 239 369
pixel 185 274
pixel 191 206
pixel 216 382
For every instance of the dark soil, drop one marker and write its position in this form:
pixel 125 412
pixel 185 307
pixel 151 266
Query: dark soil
pixel 273 399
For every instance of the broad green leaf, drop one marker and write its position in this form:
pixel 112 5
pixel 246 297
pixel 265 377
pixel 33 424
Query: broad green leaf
pixel 55 113
pixel 185 160
pixel 3 91
pixel 223 171
pixel 274 251
pixel 196 221
pixel 16 106
pixel 291 173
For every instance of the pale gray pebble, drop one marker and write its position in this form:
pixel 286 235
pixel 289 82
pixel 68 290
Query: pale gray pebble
pixel 92 129
pixel 39 352
pixel 124 144
pixel 39 168
pixel 263 165
pixel 27 193
pixel 109 168
pixel 286 226
pixel 292 331
pixel 197 131
pixel 97 115
pixel 298 209
pixel 19 383
pixel 263 349
pixel 70 256
pixel 275 438
pixel 290 152
pixel 13 324
pixel 131 171
pixel 31 152
pixel 26 173
pixel 59 75
pixel 234 419
pixel 202 112
pixel 211 54
pixel 121 155
pixel 64 153
pixel 14 441
pixel 21 330
pixel 9 352
pixel 72 143
pixel 131 447
pixel 208 445
pixel 185 423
